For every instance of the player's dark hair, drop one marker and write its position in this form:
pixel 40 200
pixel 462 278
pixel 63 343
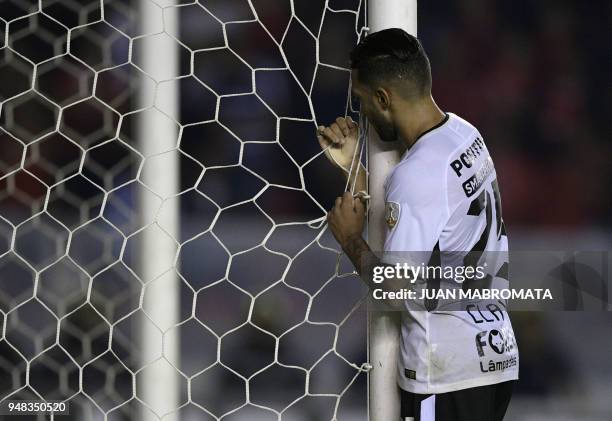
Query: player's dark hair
pixel 393 55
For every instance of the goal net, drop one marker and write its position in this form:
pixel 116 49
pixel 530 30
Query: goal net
pixel 162 248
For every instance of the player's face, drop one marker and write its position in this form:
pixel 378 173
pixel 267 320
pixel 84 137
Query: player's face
pixel 385 129
pixel 370 107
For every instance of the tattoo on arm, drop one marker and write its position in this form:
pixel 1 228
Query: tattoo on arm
pixel 356 248
pixel 360 254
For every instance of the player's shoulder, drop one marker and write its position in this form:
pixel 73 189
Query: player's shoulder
pixel 434 149
pixel 462 129
pixel 443 140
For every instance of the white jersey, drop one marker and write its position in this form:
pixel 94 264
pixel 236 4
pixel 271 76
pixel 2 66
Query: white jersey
pixel 443 196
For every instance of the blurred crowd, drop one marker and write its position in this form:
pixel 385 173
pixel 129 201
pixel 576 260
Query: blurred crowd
pixel 533 77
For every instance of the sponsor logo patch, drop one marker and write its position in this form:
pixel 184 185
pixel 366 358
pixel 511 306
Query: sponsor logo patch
pixel 498 341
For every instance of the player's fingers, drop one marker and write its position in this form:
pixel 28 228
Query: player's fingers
pixel 321 131
pixel 350 123
pixel 331 136
pixel 353 127
pixel 342 124
pixel 337 131
pixel 347 199
pixel 359 205
pixel 338 202
pixel 323 141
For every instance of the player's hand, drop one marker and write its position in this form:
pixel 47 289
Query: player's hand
pixel 347 218
pixel 339 141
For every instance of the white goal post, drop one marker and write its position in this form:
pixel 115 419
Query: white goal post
pixel 383 332
pixel 158 386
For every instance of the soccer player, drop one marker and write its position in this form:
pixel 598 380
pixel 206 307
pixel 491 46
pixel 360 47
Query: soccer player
pixel 441 197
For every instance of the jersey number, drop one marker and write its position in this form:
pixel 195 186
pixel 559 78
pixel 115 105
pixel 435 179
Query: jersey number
pixel 480 203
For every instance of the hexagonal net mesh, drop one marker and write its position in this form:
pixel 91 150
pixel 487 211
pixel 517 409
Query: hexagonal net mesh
pixel 267 316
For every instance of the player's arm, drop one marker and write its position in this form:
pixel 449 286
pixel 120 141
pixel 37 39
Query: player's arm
pixel 346 221
pixel 339 140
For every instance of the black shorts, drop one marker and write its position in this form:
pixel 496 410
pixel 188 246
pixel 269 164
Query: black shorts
pixel 485 403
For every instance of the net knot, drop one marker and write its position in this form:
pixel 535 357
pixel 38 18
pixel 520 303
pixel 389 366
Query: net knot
pixel 366 367
pixel 362 195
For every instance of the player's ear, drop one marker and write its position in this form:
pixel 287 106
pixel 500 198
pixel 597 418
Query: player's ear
pixel 383 98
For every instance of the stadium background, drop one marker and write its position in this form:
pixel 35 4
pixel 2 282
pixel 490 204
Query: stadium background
pixel 532 76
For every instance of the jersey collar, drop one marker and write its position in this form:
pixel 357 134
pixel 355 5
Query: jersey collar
pixel 431 129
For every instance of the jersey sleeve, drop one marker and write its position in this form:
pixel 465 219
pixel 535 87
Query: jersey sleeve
pixel 416 209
